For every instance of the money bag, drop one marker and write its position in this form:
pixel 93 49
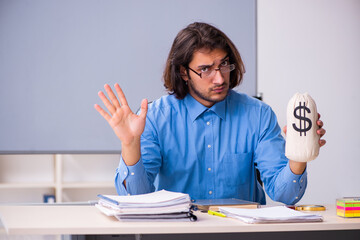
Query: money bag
pixel 302 141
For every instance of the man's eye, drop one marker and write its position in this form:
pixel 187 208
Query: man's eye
pixel 205 69
pixel 225 63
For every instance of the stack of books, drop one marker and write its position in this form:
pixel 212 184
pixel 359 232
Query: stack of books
pixel 348 207
pixel 157 206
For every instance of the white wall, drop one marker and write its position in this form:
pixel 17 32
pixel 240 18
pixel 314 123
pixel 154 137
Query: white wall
pixel 314 46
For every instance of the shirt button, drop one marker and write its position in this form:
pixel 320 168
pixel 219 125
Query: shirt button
pixel 294 181
pixel 208 123
pixel 209 146
pixel 209 169
pixel 128 194
pixel 296 197
pixel 210 192
pixel 132 174
pixel 301 180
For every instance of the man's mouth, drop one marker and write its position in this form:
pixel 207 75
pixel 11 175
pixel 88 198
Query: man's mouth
pixel 219 89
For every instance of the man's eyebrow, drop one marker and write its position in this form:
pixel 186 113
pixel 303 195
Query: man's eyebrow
pixel 210 65
pixel 225 58
pixel 205 66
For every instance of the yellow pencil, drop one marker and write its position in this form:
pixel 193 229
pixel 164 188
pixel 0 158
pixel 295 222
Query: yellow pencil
pixel 219 214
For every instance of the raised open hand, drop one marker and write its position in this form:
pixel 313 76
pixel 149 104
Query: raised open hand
pixel 127 125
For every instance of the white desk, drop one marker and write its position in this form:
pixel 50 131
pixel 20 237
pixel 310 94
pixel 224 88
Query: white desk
pixel 87 220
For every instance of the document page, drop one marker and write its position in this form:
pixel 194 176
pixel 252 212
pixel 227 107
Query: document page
pixel 150 198
pixel 270 214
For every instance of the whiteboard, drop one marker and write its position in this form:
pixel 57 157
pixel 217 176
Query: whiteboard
pixel 56 55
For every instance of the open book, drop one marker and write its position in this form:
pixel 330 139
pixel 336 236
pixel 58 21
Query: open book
pixel 280 214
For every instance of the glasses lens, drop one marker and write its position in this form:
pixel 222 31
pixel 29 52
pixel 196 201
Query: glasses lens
pixel 208 74
pixel 223 69
pixel 226 69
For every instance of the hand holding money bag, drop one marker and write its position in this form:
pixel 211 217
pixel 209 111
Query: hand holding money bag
pixel 302 141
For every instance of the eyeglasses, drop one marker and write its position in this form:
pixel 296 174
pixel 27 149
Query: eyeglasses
pixel 208 73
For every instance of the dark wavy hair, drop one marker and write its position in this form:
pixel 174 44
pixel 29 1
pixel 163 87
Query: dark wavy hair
pixel 196 36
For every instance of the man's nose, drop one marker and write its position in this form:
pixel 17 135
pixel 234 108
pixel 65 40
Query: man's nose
pixel 218 78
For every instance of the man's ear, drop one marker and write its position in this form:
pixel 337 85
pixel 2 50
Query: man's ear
pixel 183 73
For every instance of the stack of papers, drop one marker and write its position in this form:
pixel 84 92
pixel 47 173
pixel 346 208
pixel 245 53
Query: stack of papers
pixel 280 214
pixel 159 206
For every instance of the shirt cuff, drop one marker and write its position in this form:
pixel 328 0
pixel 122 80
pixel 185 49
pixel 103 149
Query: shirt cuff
pixel 295 178
pixel 297 183
pixel 129 173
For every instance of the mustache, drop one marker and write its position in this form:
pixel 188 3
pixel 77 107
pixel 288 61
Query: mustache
pixel 219 86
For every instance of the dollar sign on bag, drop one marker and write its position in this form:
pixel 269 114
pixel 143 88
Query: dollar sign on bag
pixel 303 119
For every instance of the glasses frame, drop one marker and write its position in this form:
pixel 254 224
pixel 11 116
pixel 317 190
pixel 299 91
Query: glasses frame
pixel 231 67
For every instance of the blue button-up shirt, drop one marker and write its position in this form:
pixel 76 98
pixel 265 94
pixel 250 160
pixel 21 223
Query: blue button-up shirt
pixel 211 153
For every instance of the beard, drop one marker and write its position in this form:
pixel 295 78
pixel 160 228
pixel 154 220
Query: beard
pixel 206 96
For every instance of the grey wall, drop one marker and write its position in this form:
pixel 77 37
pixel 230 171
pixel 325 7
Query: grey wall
pixel 56 55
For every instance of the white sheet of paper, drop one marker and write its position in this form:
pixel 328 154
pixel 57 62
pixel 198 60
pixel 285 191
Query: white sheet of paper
pixel 270 214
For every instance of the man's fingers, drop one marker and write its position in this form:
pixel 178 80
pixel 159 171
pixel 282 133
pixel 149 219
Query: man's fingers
pixel 102 112
pixel 285 129
pixel 112 96
pixel 320 123
pixel 121 95
pixel 322 142
pixel 321 132
pixel 107 103
pixel 144 108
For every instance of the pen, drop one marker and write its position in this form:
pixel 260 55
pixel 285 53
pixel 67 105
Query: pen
pixel 219 214
pixel 108 199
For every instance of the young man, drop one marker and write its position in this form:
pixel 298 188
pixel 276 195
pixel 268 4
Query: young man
pixel 203 139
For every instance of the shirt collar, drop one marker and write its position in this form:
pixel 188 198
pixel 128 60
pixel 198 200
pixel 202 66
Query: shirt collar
pixel 220 108
pixel 195 109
